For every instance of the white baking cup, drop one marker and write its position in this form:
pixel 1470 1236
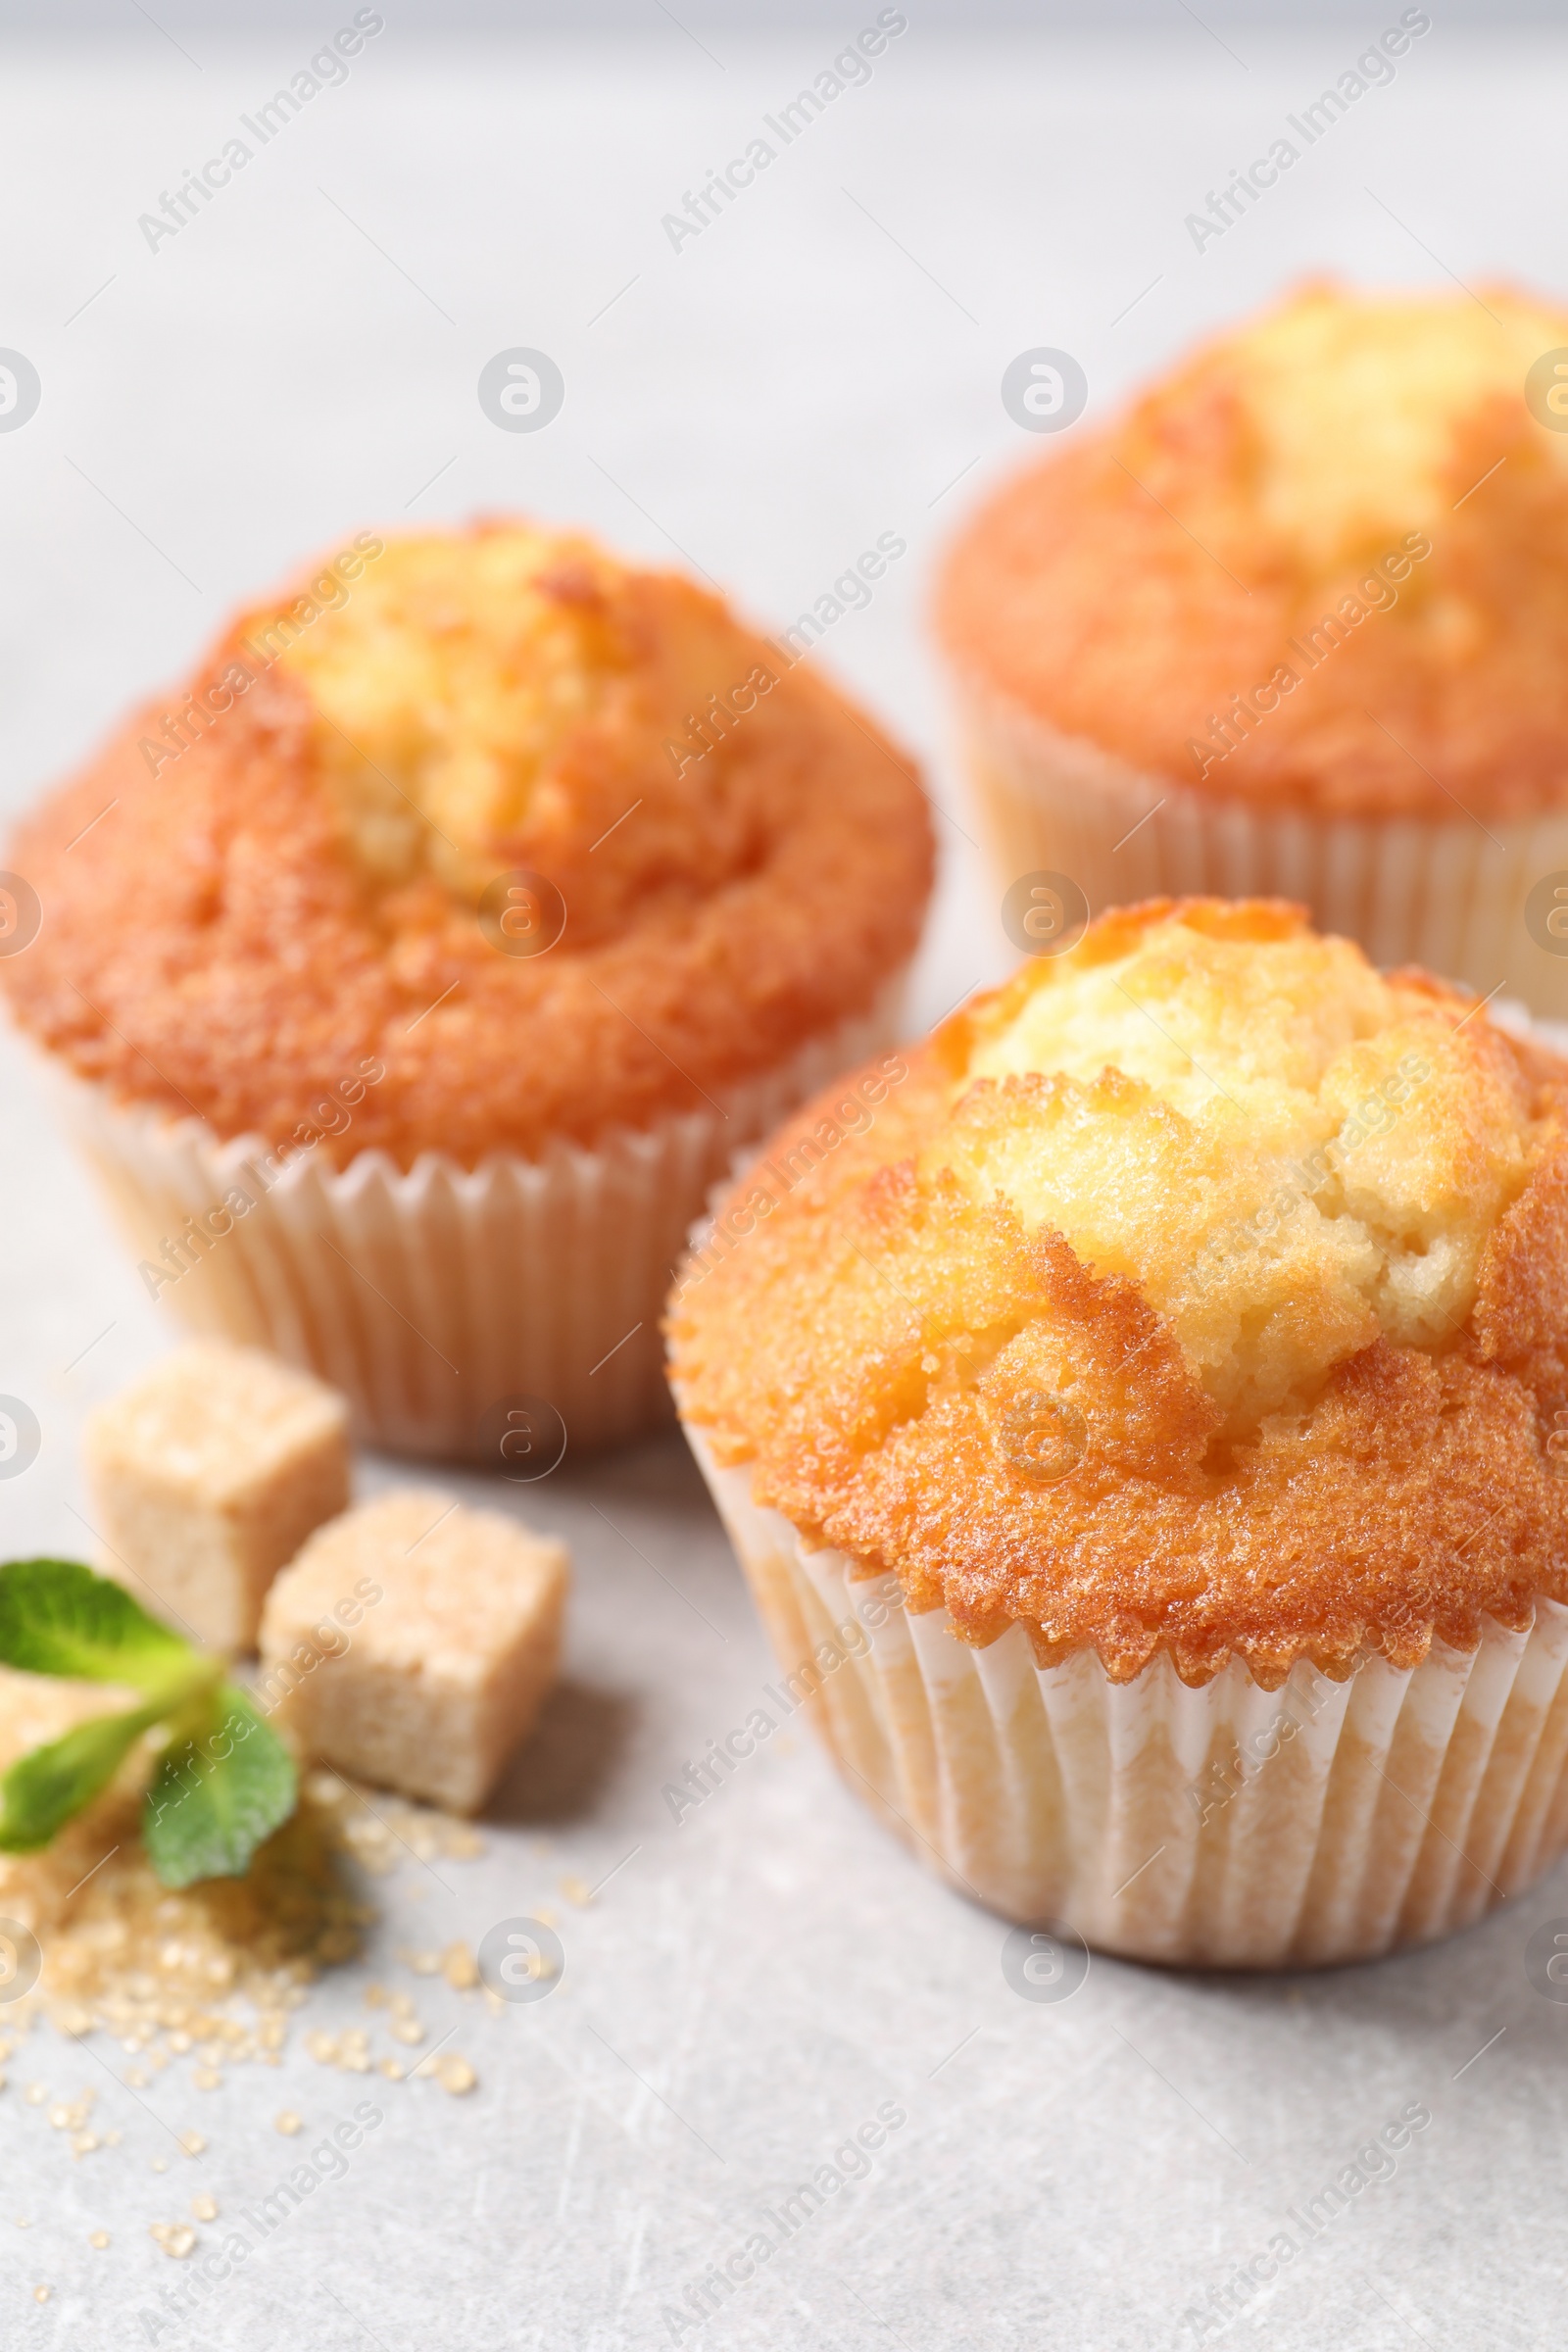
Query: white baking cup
pixel 1403 1805
pixel 437 1297
pixel 1449 895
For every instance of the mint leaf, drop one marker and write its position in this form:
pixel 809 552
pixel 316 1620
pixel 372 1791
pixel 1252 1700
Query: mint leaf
pixel 57 1617
pixel 221 1789
pixel 225 1782
pixel 43 1790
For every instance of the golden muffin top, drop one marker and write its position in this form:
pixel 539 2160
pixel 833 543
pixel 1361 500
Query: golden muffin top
pixel 1200 1288
pixel 497 837
pixel 1324 563
pixel 447 686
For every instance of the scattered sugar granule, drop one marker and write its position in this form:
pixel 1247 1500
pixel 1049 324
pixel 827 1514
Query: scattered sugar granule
pixel 392 2068
pixel 99 2239
pixel 41 2294
pixel 578 1890
pixel 207 2078
pixel 193 2144
pixel 204 2207
pixel 36 2094
pixel 460 1967
pixel 323 2047
pixel 176 2238
pixel 288 2123
pixel 452 2073
pixel 406 2030
pixel 159 2164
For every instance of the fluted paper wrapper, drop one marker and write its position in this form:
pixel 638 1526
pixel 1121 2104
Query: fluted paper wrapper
pixel 1223 1827
pixel 436 1296
pixel 1447 894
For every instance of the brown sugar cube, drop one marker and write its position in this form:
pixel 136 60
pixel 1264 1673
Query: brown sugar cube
pixel 442 1670
pixel 208 1476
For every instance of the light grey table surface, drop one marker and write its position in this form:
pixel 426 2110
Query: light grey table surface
pixel 820 366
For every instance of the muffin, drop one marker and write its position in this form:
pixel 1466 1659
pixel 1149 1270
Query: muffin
pixel 411 976
pixel 1297 623
pixel 1143 1431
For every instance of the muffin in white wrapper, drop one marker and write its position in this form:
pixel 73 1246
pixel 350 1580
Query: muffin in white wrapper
pixel 1147 1442
pixel 1293 623
pixel 410 985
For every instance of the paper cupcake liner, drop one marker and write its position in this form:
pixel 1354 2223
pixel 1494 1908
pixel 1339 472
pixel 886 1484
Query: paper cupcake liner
pixel 440 1298
pixel 1449 895
pixel 1224 1827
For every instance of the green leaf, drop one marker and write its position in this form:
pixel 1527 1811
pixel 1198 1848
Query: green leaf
pixel 57 1617
pixel 43 1790
pixel 225 1782
pixel 221 1788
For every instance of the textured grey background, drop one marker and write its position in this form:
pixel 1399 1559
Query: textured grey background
pixel 820 366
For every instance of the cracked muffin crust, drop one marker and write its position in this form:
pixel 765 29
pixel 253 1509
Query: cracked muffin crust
pixel 286 877
pixel 1200 1290
pixel 1322 565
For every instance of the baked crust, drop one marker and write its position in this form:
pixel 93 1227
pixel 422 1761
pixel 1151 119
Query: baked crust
pixel 241 933
pixel 1345 469
pixel 925 1371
